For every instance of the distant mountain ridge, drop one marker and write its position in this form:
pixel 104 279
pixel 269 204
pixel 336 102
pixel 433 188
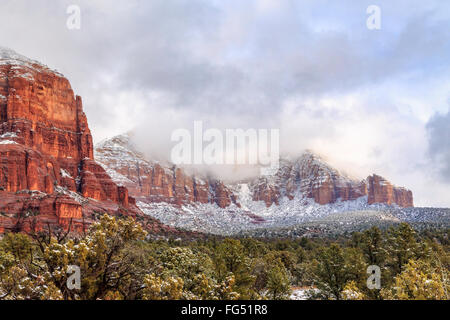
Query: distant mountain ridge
pixel 302 189
pixel 323 183
pixel 308 173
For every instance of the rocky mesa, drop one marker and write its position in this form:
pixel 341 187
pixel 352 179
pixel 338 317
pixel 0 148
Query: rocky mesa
pixel 317 180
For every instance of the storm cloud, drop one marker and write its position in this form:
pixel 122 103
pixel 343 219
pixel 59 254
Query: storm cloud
pixel 439 137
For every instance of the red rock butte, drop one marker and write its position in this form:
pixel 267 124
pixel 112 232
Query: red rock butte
pixel 319 181
pixel 48 175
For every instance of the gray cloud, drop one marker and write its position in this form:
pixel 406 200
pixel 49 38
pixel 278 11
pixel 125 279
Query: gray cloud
pixel 234 57
pixel 439 143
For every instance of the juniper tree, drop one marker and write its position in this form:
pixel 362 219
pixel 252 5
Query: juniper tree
pixel 278 284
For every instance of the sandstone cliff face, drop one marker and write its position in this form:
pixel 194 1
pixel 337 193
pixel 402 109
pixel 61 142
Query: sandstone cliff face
pixel 382 191
pixel 47 170
pixel 312 177
pixel 156 182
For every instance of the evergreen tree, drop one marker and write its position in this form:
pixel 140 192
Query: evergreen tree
pixel 402 246
pixel 372 246
pixel 278 284
pixel 230 259
pixel 330 272
pixel 418 281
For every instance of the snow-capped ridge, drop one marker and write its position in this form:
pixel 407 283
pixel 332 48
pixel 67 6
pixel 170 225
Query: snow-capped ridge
pixel 16 60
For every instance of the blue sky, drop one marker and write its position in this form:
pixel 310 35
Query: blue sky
pixel 368 100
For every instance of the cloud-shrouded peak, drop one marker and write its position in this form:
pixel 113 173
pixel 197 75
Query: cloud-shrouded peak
pixel 439 139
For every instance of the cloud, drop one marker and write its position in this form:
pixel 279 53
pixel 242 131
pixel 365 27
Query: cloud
pixel 439 143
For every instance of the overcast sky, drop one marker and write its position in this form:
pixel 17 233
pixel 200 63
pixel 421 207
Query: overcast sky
pixel 368 100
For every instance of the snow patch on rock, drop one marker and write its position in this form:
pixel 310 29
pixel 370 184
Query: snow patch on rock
pixel 65 174
pixel 21 63
pixel 8 142
pixel 8 135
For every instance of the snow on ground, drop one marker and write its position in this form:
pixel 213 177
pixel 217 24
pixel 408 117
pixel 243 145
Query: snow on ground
pixel 208 218
pixel 301 293
pixel 252 215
